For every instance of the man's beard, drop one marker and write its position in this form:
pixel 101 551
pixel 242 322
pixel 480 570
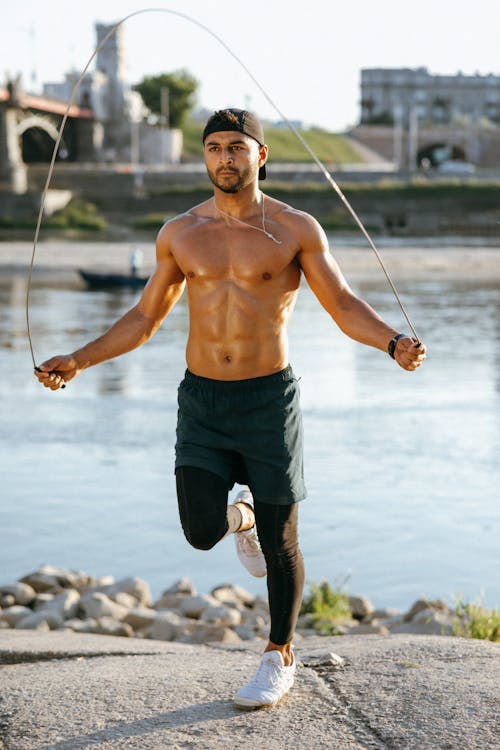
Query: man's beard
pixel 244 179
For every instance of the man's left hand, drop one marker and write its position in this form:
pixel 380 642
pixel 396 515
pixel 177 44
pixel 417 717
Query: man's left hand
pixel 409 354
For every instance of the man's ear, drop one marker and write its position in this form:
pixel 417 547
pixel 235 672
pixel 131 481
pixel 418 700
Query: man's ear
pixel 263 154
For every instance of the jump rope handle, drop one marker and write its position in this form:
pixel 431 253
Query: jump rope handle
pixel 37 369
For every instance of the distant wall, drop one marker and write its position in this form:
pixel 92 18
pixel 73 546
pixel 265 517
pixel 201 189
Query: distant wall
pixel 480 145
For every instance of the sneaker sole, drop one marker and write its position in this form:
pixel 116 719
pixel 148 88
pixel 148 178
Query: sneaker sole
pixel 249 705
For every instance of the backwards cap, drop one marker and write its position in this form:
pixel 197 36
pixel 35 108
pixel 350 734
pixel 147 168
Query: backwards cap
pixel 240 120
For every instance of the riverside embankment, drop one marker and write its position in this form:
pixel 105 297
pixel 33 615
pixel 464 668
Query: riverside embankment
pixel 65 690
pixel 52 598
pixel 387 204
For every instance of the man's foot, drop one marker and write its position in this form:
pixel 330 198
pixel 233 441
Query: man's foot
pixel 269 684
pixel 247 542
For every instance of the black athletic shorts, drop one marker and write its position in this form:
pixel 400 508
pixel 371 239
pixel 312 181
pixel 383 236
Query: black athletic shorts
pixel 246 431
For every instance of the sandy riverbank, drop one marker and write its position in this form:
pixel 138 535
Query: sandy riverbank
pixel 415 258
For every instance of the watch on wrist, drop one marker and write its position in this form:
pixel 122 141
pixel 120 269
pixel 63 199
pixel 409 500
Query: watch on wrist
pixel 392 344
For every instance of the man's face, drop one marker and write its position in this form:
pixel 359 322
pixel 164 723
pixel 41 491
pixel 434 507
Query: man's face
pixel 233 160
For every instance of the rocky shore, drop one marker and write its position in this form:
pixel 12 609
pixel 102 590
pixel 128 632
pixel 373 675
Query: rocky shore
pixel 55 599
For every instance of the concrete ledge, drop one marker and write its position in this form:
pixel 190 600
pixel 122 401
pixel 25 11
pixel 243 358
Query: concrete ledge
pixel 66 691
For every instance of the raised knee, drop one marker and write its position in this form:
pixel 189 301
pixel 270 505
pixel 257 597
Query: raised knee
pixel 200 540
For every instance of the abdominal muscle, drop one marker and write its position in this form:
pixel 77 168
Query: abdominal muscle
pixel 237 333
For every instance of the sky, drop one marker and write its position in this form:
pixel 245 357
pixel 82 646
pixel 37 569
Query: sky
pixel 306 56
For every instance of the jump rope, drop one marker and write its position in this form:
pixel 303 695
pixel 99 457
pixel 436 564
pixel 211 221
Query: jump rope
pixel 282 116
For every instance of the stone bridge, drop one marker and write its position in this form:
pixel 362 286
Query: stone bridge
pixel 28 130
pixel 430 144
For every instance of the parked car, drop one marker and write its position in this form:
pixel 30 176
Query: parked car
pixel 456 167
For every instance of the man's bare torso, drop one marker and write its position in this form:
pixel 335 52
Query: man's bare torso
pixel 241 286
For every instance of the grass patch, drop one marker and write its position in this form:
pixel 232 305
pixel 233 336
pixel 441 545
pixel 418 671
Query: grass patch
pixel 77 214
pixel 328 606
pixel 151 221
pixel 474 621
pixel 284 146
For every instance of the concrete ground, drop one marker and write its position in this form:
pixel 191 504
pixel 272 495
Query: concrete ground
pixel 63 691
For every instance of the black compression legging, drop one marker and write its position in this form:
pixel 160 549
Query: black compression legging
pixel 202 498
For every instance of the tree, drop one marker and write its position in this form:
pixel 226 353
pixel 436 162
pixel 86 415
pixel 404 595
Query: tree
pixel 181 87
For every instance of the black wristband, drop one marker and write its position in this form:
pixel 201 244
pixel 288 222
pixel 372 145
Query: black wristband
pixel 392 344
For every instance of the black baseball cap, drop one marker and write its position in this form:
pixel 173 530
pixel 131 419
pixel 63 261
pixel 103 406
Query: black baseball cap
pixel 240 120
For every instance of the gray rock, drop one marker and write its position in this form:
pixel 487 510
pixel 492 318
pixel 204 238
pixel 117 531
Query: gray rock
pixel 14 614
pixel 385 613
pixel 141 617
pixel 369 628
pixel 166 626
pixel 170 601
pixel 391 622
pixel 361 607
pixel 427 622
pixel 81 626
pixel 136 587
pixel 42 600
pixel 423 604
pixel 221 615
pixel 233 595
pixel 96 604
pixel 108 626
pixel 7 600
pixel 125 600
pixel 23 593
pixel 182 586
pixel 306 620
pixel 255 621
pixel 261 604
pixel 49 577
pixel 207 633
pixel 105 581
pixel 41 626
pixel 244 633
pixel 42 583
pixel 35 620
pixel 193 606
pixel 437 622
pixel 65 604
pixel 327 659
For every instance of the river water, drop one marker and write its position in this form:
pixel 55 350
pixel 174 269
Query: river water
pixel 402 469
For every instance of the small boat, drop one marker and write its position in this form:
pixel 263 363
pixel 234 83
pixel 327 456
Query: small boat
pixel 99 280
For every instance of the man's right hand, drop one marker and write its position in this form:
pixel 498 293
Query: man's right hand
pixel 55 372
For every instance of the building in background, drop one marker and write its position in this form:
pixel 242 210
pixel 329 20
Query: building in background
pixel 121 129
pixel 389 95
pixel 421 120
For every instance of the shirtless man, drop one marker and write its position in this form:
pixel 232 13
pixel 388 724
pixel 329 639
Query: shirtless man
pixel 241 255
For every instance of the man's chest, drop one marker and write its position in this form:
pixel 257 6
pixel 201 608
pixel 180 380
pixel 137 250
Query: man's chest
pixel 234 254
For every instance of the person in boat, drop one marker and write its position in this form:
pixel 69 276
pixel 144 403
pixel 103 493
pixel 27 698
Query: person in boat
pixel 136 261
pixel 241 254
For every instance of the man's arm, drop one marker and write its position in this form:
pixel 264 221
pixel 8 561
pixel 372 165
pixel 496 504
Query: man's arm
pixel 353 315
pixel 133 329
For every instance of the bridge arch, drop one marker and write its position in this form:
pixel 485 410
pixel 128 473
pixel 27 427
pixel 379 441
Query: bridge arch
pixel 38 135
pixel 433 154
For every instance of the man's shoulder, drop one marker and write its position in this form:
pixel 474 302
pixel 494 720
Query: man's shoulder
pixel 294 217
pixel 193 217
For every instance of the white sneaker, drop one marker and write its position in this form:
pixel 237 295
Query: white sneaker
pixel 247 543
pixel 270 683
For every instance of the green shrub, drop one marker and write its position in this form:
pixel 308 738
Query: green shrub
pixel 328 607
pixel 77 214
pixel 474 621
pixel 151 221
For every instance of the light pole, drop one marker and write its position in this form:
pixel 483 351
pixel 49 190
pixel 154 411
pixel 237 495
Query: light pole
pixel 412 138
pixel 164 120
